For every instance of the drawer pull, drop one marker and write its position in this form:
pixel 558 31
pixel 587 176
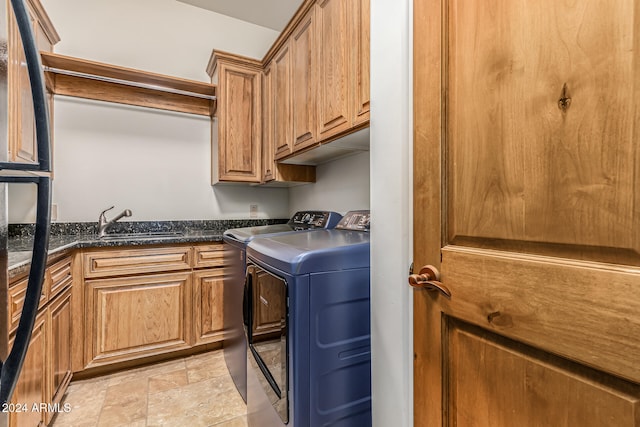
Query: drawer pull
pixel 429 279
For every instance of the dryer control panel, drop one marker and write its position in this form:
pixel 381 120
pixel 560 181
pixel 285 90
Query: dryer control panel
pixel 355 220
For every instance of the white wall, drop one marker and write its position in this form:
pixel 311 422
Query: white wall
pixel 341 186
pixel 391 133
pixel 162 36
pixel 153 162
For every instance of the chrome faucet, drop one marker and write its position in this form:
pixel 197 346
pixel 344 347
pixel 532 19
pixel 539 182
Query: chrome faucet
pixel 103 224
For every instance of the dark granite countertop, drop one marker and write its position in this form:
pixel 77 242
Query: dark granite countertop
pixel 67 236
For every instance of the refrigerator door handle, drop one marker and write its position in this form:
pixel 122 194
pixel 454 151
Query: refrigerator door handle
pixel 10 368
pixel 38 93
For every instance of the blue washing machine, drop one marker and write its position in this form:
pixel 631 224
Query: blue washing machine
pixel 236 240
pixel 307 325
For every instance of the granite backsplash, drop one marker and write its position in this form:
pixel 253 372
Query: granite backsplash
pixel 91 228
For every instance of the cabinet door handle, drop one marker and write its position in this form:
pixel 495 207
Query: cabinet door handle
pixel 429 279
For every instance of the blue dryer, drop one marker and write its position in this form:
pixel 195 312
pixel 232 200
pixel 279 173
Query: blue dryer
pixel 236 240
pixel 307 325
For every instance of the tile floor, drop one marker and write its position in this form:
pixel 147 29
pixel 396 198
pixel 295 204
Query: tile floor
pixel 193 391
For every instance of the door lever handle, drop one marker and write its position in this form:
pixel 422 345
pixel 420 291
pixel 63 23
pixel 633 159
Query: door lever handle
pixel 429 279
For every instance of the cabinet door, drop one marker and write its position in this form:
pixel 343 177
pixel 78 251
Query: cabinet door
pixel 282 119
pixel 361 60
pixel 268 149
pixel 303 53
pixel 334 51
pixel 133 317
pixel 207 306
pixel 60 347
pixel 239 115
pixel 268 300
pixel 22 141
pixel 32 385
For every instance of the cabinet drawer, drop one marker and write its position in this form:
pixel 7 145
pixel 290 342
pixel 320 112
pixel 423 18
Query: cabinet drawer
pixel 209 255
pixel 17 294
pixel 59 276
pixel 136 261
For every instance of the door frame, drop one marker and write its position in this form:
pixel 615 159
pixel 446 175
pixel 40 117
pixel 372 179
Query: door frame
pixel 428 164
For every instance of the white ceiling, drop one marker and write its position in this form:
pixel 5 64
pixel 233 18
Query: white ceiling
pixel 272 14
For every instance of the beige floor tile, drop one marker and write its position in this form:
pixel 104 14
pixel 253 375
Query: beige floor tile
pixel 206 366
pixel 193 391
pixel 235 422
pixel 125 403
pixel 86 403
pixel 146 371
pixel 167 381
pixel 203 403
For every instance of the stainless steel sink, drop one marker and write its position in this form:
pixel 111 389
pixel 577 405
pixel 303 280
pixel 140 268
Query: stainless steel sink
pixel 146 235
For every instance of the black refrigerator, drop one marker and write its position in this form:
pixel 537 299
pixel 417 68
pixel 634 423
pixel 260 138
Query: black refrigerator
pixel 12 173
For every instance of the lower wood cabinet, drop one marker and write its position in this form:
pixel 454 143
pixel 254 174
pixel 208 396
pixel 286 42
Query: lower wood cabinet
pixel 31 388
pixel 60 350
pixel 46 371
pixel 207 306
pixel 146 302
pixel 101 307
pixel 136 316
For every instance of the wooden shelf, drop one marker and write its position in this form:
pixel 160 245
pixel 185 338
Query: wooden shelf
pixel 105 82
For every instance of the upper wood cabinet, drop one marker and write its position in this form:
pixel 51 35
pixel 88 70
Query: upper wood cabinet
pixel 303 78
pixel 327 47
pixel 361 61
pixel 334 68
pixel 275 173
pixel 22 138
pixel 282 111
pixel 236 129
pixel 314 89
pixel 268 148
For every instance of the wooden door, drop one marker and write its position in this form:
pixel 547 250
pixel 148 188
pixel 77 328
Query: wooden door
pixel 31 389
pixel 282 114
pixel 268 149
pixel 526 198
pixel 208 325
pixel 22 140
pixel 361 28
pixel 59 346
pixel 239 118
pixel 334 50
pixel 137 316
pixel 303 53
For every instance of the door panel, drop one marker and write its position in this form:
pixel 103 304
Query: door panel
pixel 504 383
pixel 137 316
pixel 282 115
pixel 303 50
pixel 525 139
pixel 334 47
pixel 208 322
pixel 523 173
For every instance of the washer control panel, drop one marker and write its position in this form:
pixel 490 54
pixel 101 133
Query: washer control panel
pixel 355 220
pixel 314 219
